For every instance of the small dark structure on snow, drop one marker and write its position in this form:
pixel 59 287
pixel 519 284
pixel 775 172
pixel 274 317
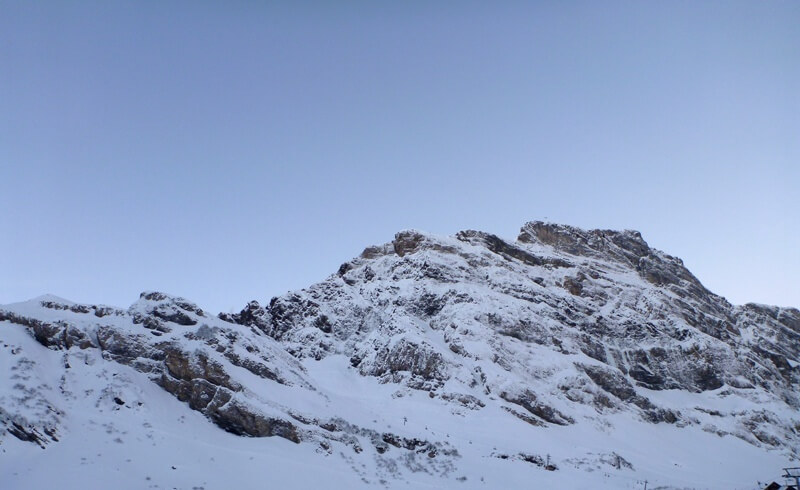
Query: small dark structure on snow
pixel 792 474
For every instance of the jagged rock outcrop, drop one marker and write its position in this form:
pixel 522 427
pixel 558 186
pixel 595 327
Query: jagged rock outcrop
pixel 183 351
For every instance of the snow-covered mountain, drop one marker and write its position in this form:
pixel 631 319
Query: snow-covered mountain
pixel 566 357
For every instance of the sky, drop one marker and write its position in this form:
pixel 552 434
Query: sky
pixel 229 151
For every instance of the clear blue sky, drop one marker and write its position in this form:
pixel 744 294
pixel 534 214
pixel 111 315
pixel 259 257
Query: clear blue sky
pixel 226 151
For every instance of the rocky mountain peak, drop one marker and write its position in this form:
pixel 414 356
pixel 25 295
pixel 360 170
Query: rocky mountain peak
pixel 161 307
pixel 625 245
pixel 563 328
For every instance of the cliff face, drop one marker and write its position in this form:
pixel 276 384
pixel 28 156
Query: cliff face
pixel 561 328
pixel 604 294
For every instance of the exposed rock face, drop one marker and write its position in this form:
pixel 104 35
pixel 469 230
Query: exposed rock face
pixel 422 365
pixel 252 315
pixel 619 246
pixel 557 327
pixel 159 336
pixel 529 402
